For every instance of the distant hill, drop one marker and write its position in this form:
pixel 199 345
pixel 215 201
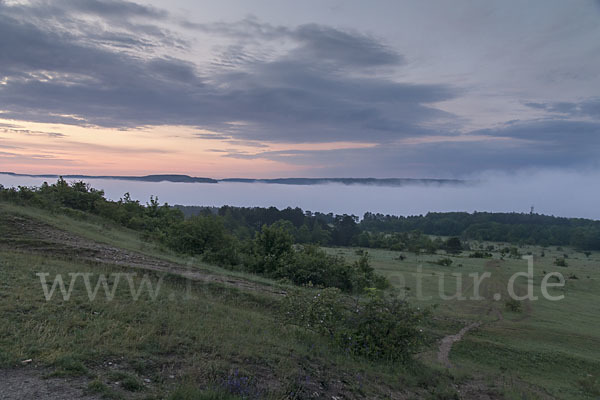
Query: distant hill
pixel 146 178
pixel 349 181
pixel 280 181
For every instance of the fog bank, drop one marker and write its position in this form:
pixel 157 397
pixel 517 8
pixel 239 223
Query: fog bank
pixel 560 193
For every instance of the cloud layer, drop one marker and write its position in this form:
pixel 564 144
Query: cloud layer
pixel 120 64
pixel 310 93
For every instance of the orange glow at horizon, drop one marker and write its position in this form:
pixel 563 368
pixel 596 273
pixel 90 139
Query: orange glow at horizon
pixel 41 148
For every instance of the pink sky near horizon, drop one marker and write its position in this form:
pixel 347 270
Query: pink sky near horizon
pixel 41 148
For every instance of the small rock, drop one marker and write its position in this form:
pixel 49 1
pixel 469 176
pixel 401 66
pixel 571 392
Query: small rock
pixel 171 376
pixel 28 361
pixel 147 380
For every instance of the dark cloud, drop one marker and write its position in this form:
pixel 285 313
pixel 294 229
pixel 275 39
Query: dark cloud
pixel 211 136
pixel 343 48
pixel 59 63
pixel 586 108
pixel 31 132
pixel 24 157
pixel 9 126
pixel 561 135
pixel 247 143
pixel 307 94
pixel 111 9
pixel 515 146
pixel 8 146
pixel 115 8
pixel 50 76
pixel 349 48
pixel 229 140
pixel 117 23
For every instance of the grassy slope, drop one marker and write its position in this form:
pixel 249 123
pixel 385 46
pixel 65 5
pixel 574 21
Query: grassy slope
pixel 108 232
pixel 217 338
pixel 550 352
pixel 554 346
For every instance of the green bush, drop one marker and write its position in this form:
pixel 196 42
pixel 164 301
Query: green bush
pixel 322 311
pixel 561 262
pixel 480 254
pixel 272 250
pixel 383 328
pixel 206 236
pixel 514 305
pixel 272 254
pixel 312 266
pixel 445 262
pixel 453 245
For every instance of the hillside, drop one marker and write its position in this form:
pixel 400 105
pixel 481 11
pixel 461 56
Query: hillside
pixel 120 300
pixel 227 335
pixel 278 181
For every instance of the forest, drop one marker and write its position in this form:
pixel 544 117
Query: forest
pixel 183 226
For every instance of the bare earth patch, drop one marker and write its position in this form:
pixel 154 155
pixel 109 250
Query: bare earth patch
pixel 447 342
pixel 34 236
pixel 26 383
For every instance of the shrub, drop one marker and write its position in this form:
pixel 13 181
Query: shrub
pixel 480 254
pixel 384 328
pixel 514 305
pixel 446 262
pixel 273 255
pixel 322 311
pixel 453 245
pixel 196 235
pixel 311 265
pixel 561 262
pixel 271 250
pixel 206 236
pixel 512 252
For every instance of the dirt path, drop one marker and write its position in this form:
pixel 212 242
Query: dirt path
pixel 25 234
pixel 490 288
pixel 448 341
pixel 26 383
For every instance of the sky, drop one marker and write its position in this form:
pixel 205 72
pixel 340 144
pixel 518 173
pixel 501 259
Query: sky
pixel 274 88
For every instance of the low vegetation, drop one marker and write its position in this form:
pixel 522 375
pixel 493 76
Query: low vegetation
pixel 270 252
pixel 379 328
pixel 306 305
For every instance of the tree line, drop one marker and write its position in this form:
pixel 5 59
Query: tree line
pixel 193 229
pixel 263 247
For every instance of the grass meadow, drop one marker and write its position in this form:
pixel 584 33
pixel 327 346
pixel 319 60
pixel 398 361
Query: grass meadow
pixel 210 339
